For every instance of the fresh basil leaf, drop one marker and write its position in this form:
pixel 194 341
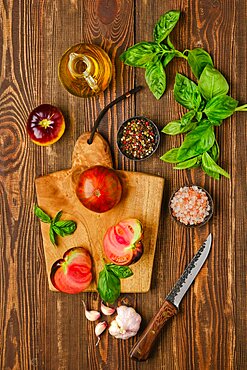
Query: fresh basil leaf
pixel 168 58
pixel 210 165
pixel 122 272
pixel 210 173
pixel 196 142
pixel 214 151
pixel 177 127
pixel 198 162
pixel 64 228
pixel 41 214
pixel 220 107
pixel 186 92
pixel 212 83
pixel 52 236
pixel 57 217
pixel 198 59
pixel 156 79
pixel 139 55
pixel 108 286
pixel 187 118
pixel 165 25
pixel 170 156
pixel 215 123
pixel 172 128
pixel 198 116
pixel 186 164
pixel 169 43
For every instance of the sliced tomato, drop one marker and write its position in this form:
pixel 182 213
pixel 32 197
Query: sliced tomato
pixel 73 273
pixel 122 242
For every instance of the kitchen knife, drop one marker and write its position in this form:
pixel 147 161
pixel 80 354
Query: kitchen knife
pixel 142 348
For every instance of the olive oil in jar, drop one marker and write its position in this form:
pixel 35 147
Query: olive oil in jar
pixel 85 70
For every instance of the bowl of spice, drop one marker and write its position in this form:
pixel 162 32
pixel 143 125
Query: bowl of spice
pixel 138 138
pixel 191 206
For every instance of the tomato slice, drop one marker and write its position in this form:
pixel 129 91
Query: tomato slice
pixel 72 274
pixel 122 242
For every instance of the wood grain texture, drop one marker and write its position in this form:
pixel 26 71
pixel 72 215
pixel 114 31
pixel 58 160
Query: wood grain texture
pixel 45 330
pixel 141 198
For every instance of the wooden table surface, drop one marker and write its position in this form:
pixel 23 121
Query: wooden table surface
pixel 46 330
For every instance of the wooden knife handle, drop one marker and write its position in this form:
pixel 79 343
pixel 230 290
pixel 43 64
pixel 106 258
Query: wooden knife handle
pixel 142 348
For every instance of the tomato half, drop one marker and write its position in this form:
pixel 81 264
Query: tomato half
pixel 123 242
pixel 72 274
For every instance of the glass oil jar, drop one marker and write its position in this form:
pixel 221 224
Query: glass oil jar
pixel 85 70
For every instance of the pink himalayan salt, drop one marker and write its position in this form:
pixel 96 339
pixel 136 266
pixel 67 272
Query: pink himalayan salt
pixel 190 205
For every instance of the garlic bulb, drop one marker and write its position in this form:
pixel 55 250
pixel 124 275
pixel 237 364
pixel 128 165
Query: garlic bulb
pixel 107 310
pixel 99 328
pixel 91 315
pixel 126 323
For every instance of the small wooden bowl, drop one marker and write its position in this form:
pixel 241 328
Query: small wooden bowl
pixel 207 218
pixel 120 133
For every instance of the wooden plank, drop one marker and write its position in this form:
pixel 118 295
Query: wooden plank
pixel 209 306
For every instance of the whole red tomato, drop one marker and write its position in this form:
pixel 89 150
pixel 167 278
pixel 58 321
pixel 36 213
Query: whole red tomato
pixel 99 189
pixel 45 125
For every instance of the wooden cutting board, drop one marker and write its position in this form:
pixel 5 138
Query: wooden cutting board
pixel 141 199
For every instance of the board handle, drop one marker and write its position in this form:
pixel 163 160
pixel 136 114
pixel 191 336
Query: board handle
pixel 142 348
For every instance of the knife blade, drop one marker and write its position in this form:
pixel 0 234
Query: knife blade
pixel 169 308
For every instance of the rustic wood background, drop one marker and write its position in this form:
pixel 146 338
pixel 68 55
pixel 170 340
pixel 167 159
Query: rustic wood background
pixel 45 330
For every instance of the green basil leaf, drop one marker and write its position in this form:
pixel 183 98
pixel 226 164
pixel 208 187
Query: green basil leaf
pixel 156 79
pixel 198 162
pixel 168 58
pixel 122 272
pixel 52 236
pixel 215 122
pixel 196 142
pixel 57 217
pixel 187 118
pixel 108 286
pixel 214 151
pixel 41 215
pixel 210 173
pixel 186 92
pixel 198 59
pixel 198 116
pixel 64 228
pixel 139 55
pixel 170 156
pixel 172 128
pixel 212 83
pixel 186 164
pixel 165 25
pixel 177 127
pixel 210 165
pixel 220 107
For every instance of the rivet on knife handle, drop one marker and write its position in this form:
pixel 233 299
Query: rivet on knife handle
pixel 142 348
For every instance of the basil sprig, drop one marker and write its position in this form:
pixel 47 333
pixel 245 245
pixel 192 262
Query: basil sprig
pixel 154 56
pixel 109 285
pixel 208 105
pixel 57 227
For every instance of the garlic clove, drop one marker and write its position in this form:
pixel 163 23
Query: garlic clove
pixel 107 310
pixel 91 315
pixel 99 328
